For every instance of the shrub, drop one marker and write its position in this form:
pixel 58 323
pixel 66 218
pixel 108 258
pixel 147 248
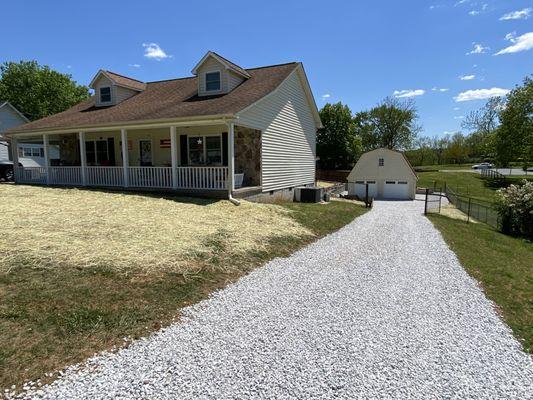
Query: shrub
pixel 515 206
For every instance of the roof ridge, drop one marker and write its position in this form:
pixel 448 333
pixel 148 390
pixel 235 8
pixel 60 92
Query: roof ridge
pixel 273 65
pixel 246 69
pixel 123 76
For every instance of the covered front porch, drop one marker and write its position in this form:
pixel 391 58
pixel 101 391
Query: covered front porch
pixel 214 159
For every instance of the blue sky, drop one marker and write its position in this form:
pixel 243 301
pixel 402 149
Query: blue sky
pixel 357 52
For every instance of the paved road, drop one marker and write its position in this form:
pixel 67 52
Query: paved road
pixel 380 309
pixel 503 171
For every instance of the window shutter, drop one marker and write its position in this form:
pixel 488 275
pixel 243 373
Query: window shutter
pixel 225 149
pixel 183 150
pixel 111 150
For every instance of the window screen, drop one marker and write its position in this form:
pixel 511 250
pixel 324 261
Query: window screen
pixel 212 81
pixel 105 94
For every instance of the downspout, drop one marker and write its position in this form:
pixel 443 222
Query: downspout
pixel 231 162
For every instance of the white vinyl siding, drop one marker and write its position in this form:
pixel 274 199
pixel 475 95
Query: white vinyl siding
pixel 4 151
pixel 118 93
pixel 234 80
pixel 103 82
pixel 9 118
pixel 122 93
pixel 212 65
pixel 289 135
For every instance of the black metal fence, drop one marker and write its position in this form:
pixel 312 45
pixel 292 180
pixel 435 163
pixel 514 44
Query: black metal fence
pixel 479 210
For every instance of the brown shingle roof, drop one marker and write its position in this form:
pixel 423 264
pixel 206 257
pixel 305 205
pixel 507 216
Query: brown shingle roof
pixel 172 99
pixel 122 80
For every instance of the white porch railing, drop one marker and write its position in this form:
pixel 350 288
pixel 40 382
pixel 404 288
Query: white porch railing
pixel 105 176
pixel 65 176
pixel 194 178
pixel 204 178
pixel 150 177
pixel 30 174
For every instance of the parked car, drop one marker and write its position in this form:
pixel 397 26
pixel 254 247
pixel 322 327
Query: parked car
pixel 483 165
pixel 6 170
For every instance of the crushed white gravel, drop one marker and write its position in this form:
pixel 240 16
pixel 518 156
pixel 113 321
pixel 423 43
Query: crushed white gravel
pixel 380 309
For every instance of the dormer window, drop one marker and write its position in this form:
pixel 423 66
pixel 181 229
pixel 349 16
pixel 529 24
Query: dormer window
pixel 105 94
pixel 212 81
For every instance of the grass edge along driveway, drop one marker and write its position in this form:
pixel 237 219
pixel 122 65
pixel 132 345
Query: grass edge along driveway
pixel 54 315
pixel 503 267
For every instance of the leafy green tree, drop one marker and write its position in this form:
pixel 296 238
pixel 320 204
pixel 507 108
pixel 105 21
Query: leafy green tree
pixel 37 91
pixel 391 124
pixel 483 124
pixel 337 144
pixel 514 138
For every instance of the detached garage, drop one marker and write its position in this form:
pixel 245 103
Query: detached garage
pixel 388 173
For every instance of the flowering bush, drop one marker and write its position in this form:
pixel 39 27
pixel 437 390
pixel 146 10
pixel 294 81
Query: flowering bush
pixel 515 206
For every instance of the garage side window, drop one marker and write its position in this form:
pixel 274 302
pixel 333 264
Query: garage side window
pixel 381 162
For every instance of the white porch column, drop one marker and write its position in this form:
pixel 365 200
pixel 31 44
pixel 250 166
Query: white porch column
pixel 15 156
pixel 231 157
pixel 46 143
pixel 125 156
pixel 174 156
pixel 83 158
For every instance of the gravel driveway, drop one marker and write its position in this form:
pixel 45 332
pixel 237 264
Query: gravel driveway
pixel 380 309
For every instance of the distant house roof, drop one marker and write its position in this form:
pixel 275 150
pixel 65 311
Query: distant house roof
pixel 4 103
pixel 120 80
pixel 166 100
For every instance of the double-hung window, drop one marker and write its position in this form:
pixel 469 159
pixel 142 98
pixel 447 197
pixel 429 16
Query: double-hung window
pixel 205 150
pixel 381 162
pixel 105 94
pixel 212 81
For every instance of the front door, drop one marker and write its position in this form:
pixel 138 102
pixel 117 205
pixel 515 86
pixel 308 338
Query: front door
pixel 146 153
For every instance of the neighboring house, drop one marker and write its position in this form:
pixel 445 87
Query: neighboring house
pixel 388 173
pixel 10 117
pixel 225 131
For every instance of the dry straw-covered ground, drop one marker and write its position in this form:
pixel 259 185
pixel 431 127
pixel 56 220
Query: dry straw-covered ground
pixel 51 227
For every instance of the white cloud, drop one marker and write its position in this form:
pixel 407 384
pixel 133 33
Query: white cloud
pixel 473 13
pixel 134 65
pixel 326 96
pixel 520 43
pixel 436 89
pixel 522 14
pixel 459 117
pixel 480 94
pixel 449 132
pixel 478 49
pixel 461 2
pixel 467 77
pixel 154 51
pixel 456 108
pixel 408 93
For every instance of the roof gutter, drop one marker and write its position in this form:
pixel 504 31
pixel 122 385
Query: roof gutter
pixel 220 119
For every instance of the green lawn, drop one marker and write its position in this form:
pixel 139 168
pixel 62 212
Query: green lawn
pixel 501 264
pixel 466 183
pixel 71 287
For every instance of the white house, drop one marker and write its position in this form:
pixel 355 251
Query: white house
pixel 10 117
pixel 225 131
pixel 388 173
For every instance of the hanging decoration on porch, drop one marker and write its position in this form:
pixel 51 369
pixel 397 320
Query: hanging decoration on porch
pixel 164 144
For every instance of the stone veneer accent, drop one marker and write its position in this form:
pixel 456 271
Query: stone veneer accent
pixel 68 150
pixel 248 155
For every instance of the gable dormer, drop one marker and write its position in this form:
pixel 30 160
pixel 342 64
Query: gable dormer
pixel 217 75
pixel 110 88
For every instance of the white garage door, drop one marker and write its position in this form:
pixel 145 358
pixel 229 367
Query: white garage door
pixel 360 189
pixel 396 190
